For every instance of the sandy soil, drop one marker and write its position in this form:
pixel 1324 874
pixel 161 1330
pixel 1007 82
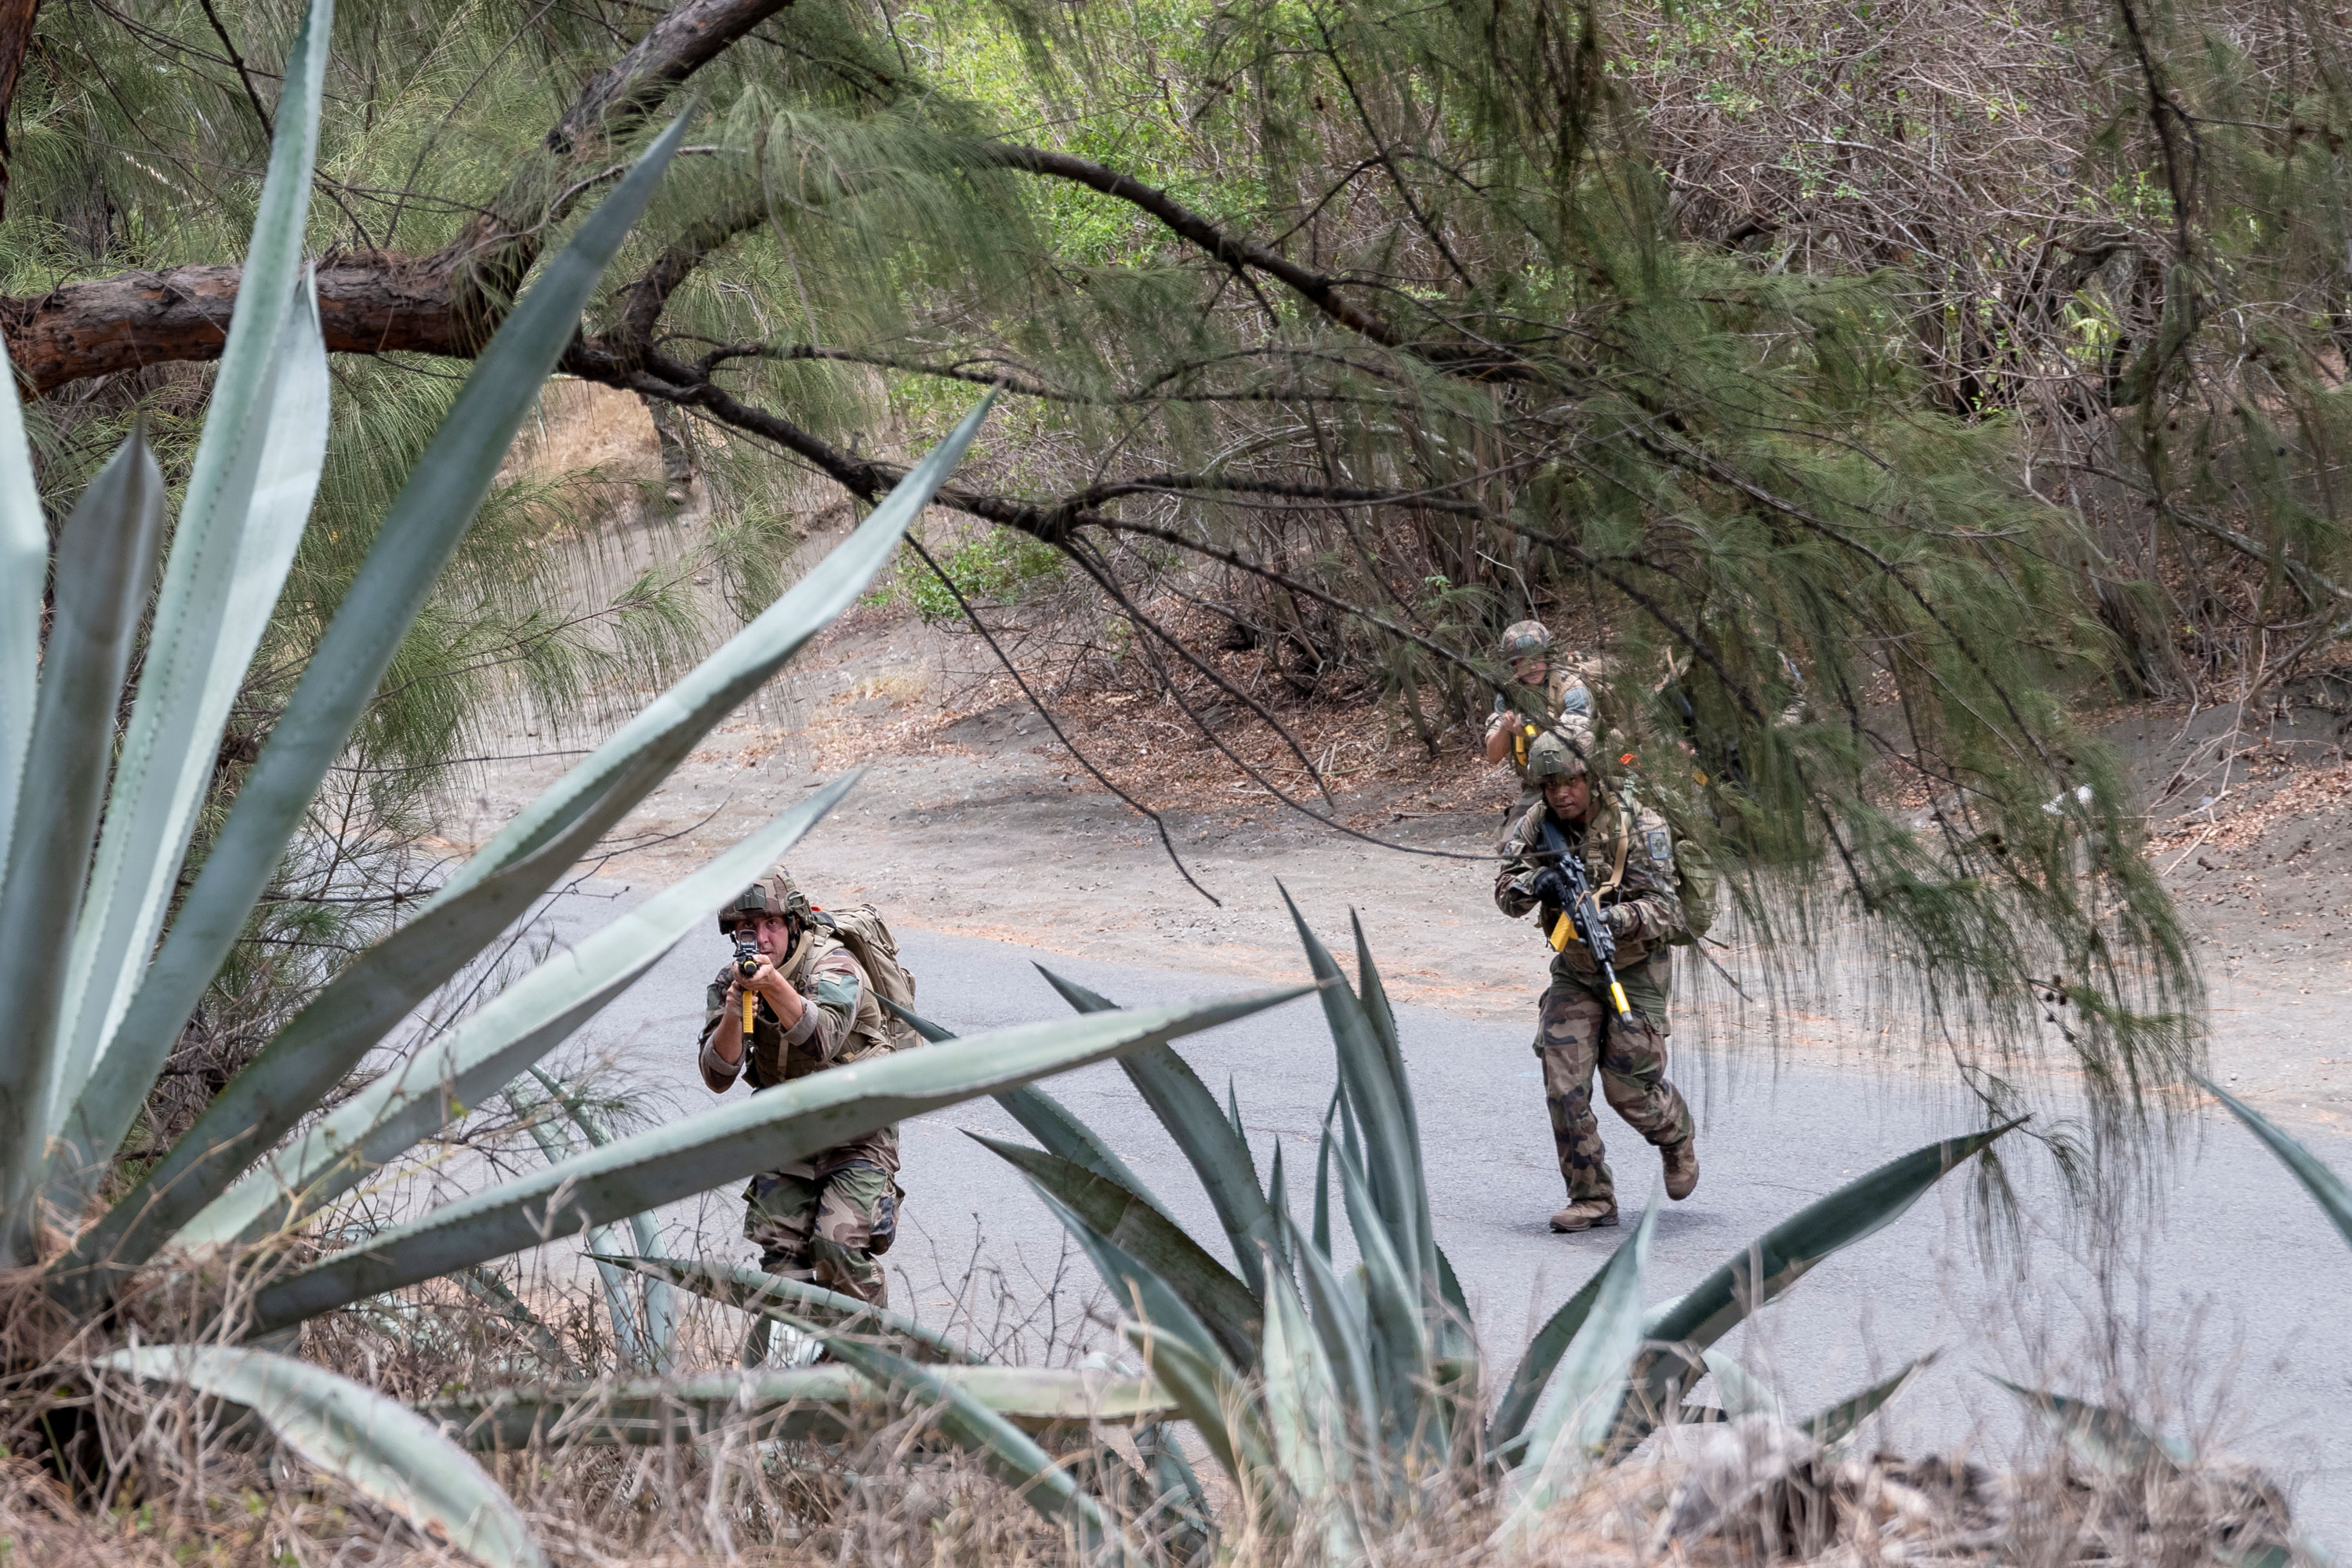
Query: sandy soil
pixel 972 818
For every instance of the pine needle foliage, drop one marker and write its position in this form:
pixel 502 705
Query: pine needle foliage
pixel 1875 398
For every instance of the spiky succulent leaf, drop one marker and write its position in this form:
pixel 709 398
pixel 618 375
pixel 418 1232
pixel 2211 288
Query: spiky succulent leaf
pixel 660 1313
pixel 2100 1435
pixel 24 572
pixel 248 498
pixel 754 1291
pixel 426 522
pixel 1016 1458
pixel 1584 1395
pixel 1225 1304
pixel 785 1123
pixel 378 1445
pixel 1373 1090
pixel 2333 1192
pixel 1764 1270
pixel 1046 1120
pixel 675 722
pixel 1837 1423
pixel 106 560
pixel 1217 1153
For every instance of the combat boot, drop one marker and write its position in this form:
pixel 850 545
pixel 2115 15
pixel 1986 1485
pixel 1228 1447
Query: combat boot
pixel 1583 1214
pixel 1682 1169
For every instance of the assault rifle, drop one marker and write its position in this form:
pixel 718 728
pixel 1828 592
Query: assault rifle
pixel 1579 913
pixel 746 965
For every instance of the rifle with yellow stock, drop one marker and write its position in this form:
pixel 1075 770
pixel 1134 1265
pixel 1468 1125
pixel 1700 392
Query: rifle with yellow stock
pixel 1563 884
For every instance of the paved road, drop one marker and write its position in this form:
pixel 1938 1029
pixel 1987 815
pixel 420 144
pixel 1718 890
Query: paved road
pixel 2227 1311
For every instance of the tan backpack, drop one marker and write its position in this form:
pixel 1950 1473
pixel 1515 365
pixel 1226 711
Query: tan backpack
pixel 859 928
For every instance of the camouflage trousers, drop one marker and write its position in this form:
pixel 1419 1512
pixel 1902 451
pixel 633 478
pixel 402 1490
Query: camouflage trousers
pixel 827 1229
pixel 1578 1032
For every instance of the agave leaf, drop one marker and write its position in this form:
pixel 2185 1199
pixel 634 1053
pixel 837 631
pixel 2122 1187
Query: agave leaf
pixel 484 1052
pixel 819 1402
pixel 1340 1318
pixel 675 722
pixel 1373 1090
pixel 1194 1119
pixel 1322 1233
pixel 426 522
pixel 300 1065
pixel 1003 1447
pixel 1374 999
pixel 1305 1418
pixel 113 1073
pixel 1739 1391
pixel 248 497
pixel 106 558
pixel 661 1314
pixel 1177 1348
pixel 1047 1120
pixel 787 1122
pixel 1225 1304
pixel 1576 1412
pixel 23 572
pixel 2334 1194
pixel 380 1447
pixel 753 1290
pixel 494 1292
pixel 2101 1436
pixel 628 1339
pixel 1403 1361
pixel 1507 1433
pixel 1837 1423
pixel 1763 1272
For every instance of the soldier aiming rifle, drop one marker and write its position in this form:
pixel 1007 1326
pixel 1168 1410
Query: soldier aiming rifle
pixel 798 995
pixel 1598 872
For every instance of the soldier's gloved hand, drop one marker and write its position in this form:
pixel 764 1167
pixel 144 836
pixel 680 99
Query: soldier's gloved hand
pixel 1552 887
pixel 1623 921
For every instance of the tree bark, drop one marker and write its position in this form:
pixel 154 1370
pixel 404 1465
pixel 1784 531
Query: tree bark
pixel 16 38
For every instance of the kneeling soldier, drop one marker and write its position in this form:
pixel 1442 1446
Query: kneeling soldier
pixel 1628 856
pixel 827 1218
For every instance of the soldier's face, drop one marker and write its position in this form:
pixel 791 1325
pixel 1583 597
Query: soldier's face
pixel 1568 798
pixel 773 932
pixel 1531 671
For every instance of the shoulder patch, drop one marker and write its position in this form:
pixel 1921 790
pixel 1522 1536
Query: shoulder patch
pixel 1660 847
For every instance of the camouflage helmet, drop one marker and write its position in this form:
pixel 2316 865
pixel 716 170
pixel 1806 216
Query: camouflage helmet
pixel 1525 639
pixel 1562 751
pixel 775 893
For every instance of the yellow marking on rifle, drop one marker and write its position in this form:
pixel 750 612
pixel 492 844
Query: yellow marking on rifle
pixel 749 1002
pixel 1617 995
pixel 1562 934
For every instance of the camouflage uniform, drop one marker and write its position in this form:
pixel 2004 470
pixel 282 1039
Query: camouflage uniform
pixel 1577 1030
pixel 827 1217
pixel 1566 698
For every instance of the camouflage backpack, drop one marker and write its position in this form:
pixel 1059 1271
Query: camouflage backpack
pixel 1696 881
pixel 859 928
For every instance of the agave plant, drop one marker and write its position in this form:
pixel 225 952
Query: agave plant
pixel 1327 1391
pixel 103 959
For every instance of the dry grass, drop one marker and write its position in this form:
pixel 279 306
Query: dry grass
pixel 101 1470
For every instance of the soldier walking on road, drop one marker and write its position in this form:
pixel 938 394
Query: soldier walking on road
pixel 1561 693
pixel 827 1218
pixel 1628 856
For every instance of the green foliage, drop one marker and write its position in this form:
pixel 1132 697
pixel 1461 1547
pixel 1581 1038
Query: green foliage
pixel 1328 1396
pixel 995 567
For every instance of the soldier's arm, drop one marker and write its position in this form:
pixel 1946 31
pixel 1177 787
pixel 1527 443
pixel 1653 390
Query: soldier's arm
pixel 824 1025
pixel 1648 908
pixel 1512 894
pixel 719 1074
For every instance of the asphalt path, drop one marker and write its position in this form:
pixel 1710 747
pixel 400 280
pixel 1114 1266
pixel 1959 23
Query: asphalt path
pixel 2221 1308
